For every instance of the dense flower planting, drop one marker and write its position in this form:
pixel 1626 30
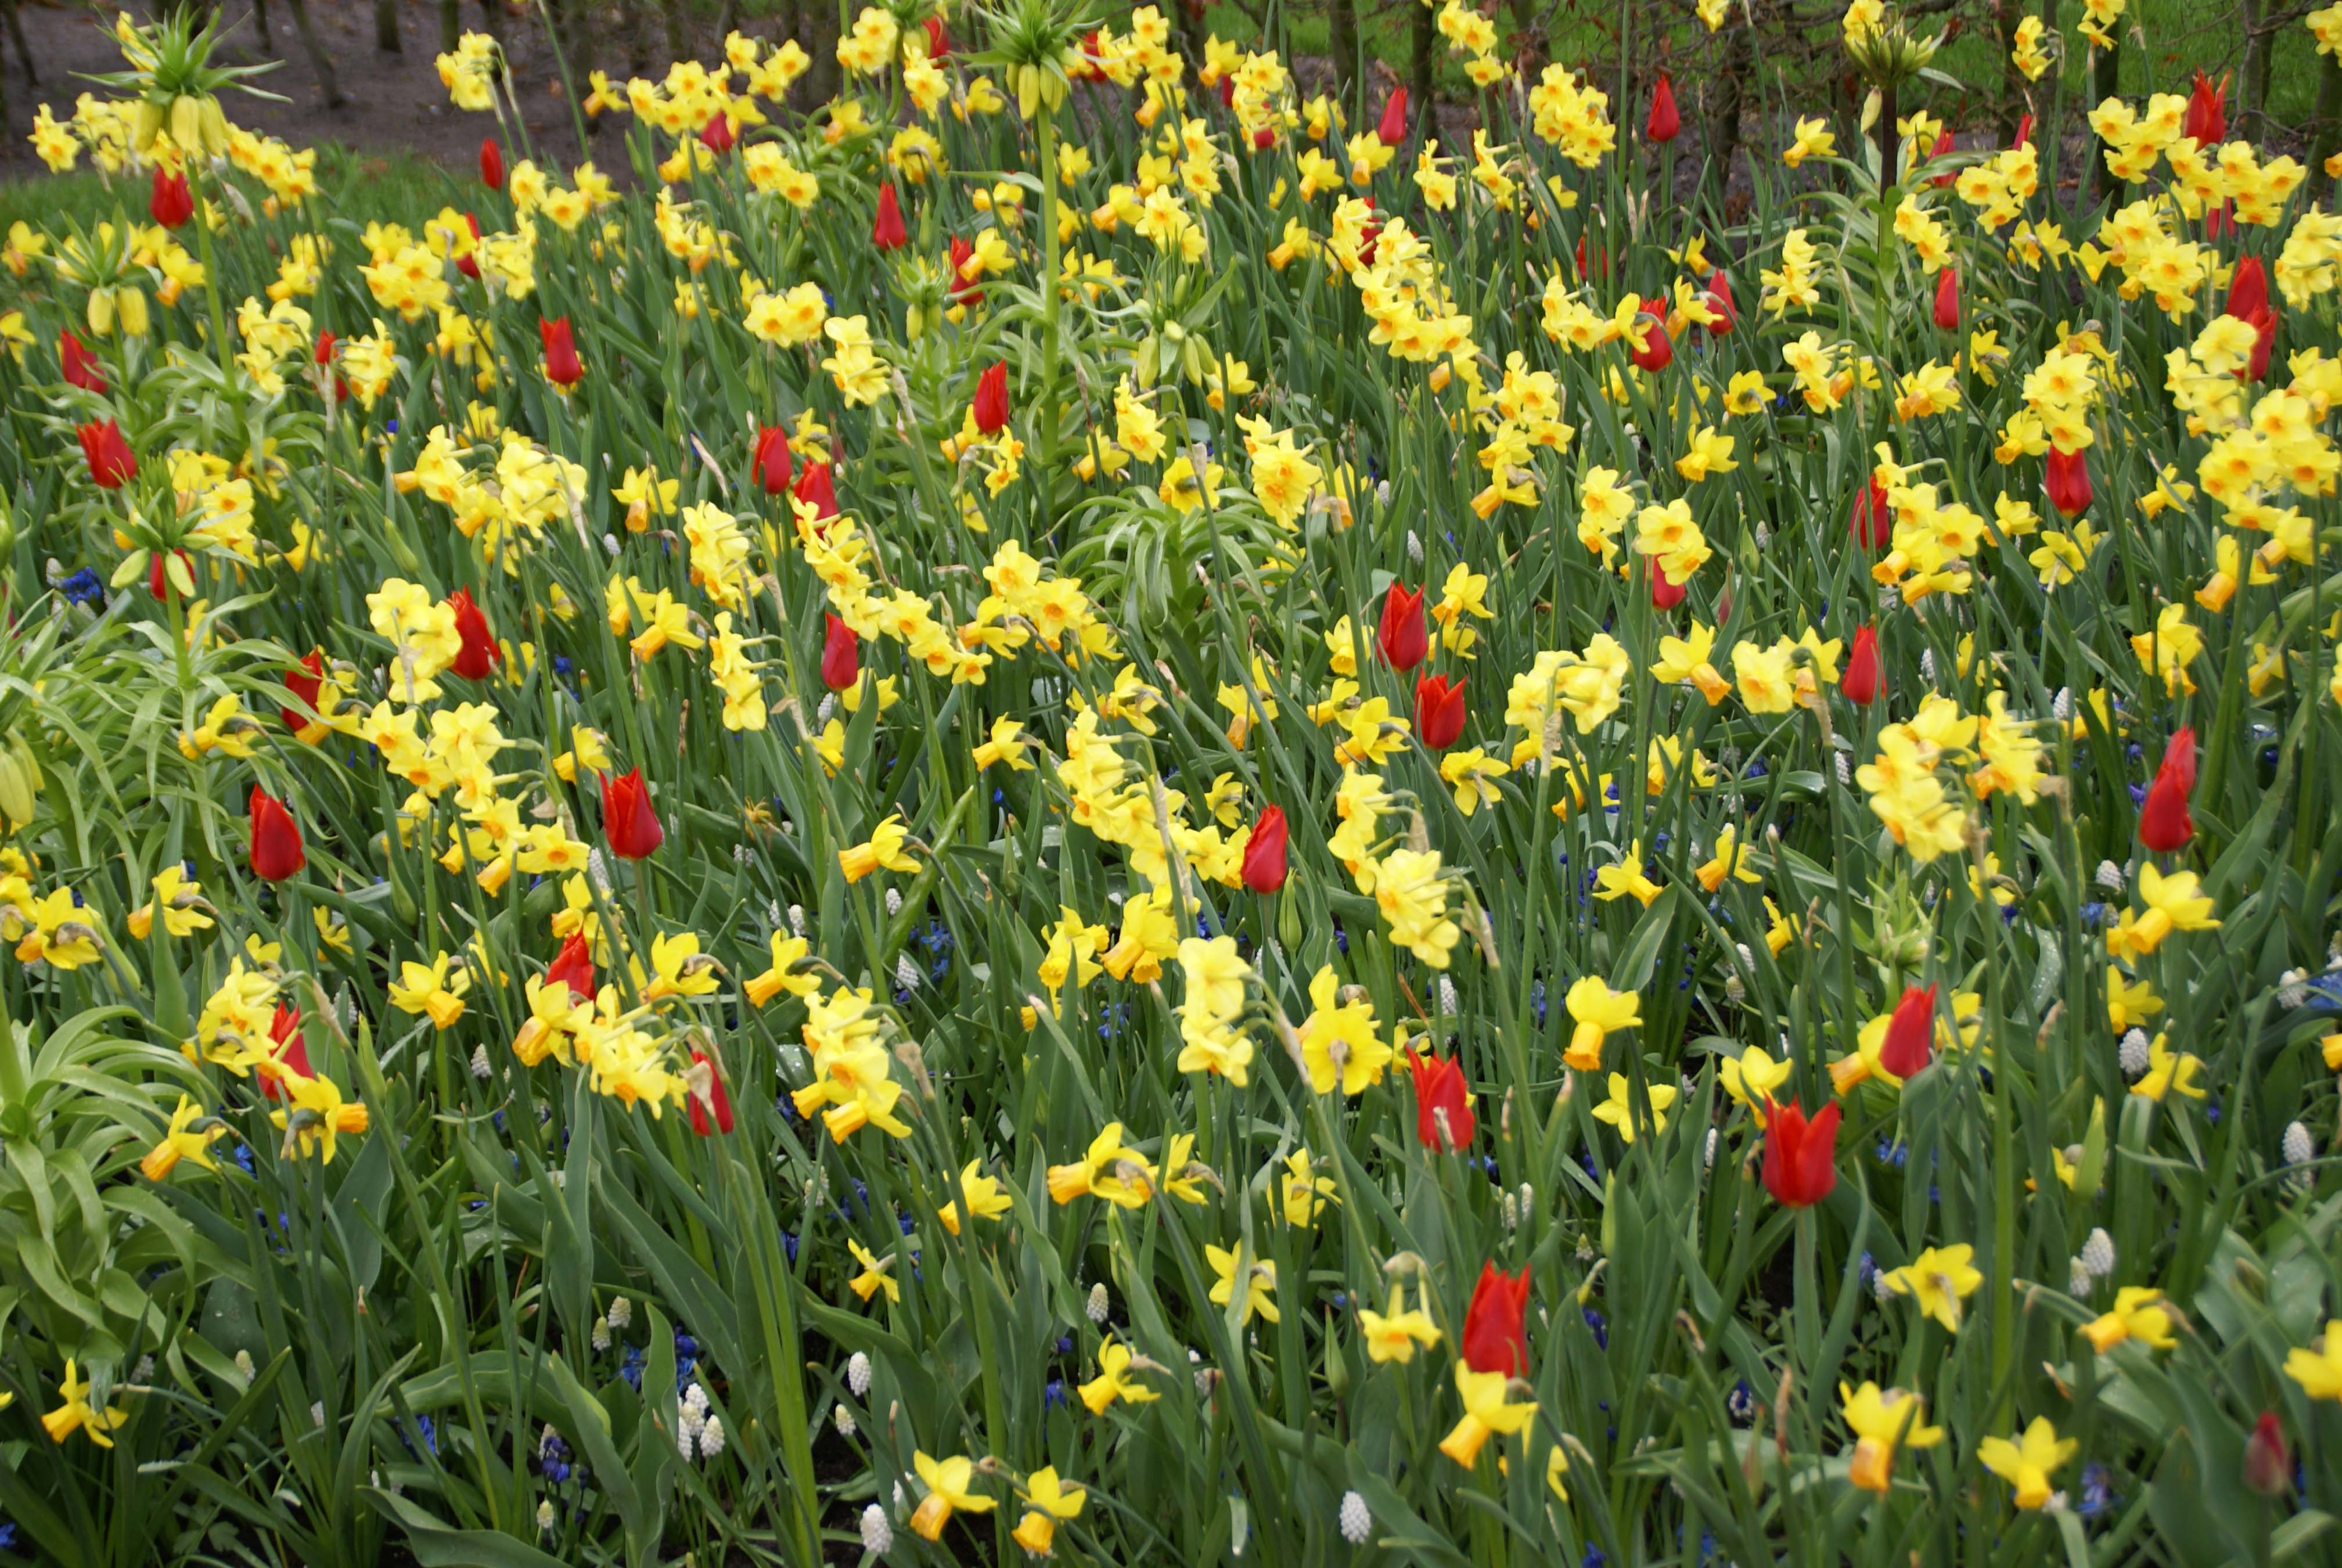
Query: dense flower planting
pixel 1085 811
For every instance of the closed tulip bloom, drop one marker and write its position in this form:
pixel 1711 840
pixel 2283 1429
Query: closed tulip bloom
pixel 171 203
pixel 77 365
pixel 1720 300
pixel 562 366
pixel 939 39
pixel 574 966
pixel 713 1114
pixel 1402 633
pixel 478 653
pixel 841 656
pixel 111 463
pixel 1662 124
pixel 2248 301
pixel 2163 824
pixel 303 680
pixel 1658 350
pixel 1868 521
pixel 772 460
pixel 991 404
pixel 1263 852
pixel 492 163
pixel 1392 130
pixel 1944 148
pixel 1438 712
pixel 716 135
pixel 818 490
pixel 1911 1033
pixel 2268 1462
pixel 1441 1098
pixel 1862 680
pixel 290 1059
pixel 1665 595
pixel 275 850
pixel 887 232
pixel 2068 482
pixel 1800 1155
pixel 1496 1324
pixel 2024 131
pixel 628 823
pixel 2206 119
pixel 1947 299
pixel 958 255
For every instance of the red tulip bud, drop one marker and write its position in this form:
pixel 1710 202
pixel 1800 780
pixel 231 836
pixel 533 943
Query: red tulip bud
pixel 938 40
pixel 888 233
pixel 1862 679
pixel 158 573
pixel 111 463
pixel 291 1057
pixel 1942 148
pixel 573 966
pixel 841 659
pixel 2269 1465
pixel 1947 299
pixel 1800 1155
pixel 303 680
pixel 2207 111
pixel 991 404
pixel 1663 122
pixel 628 823
pixel 815 489
pixel 1401 633
pixel 78 365
pixel 2163 824
pixel 1869 524
pixel 492 163
pixel 1438 712
pixel 716 135
pixel 275 850
pixel 1665 595
pixel 1392 130
pixel 1263 852
pixel 1658 350
pixel 2024 132
pixel 171 204
pixel 562 366
pixel 1496 1324
pixel 1719 300
pixel 2068 482
pixel 479 653
pixel 1441 1098
pixel 1910 1040
pixel 717 1100
pixel 772 460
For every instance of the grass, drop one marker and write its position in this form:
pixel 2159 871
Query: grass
pixel 360 184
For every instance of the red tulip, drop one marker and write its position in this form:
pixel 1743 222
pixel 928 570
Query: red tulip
pixel 1719 300
pixel 1947 299
pixel 716 137
pixel 2269 1465
pixel 1440 1093
pixel 772 459
pixel 1910 1034
pixel 1658 350
pixel 963 291
pixel 1438 711
pixel 1227 91
pixel 291 1057
pixel 628 823
pixel 303 680
pixel 158 573
pixel 841 656
pixel 1663 122
pixel 1862 678
pixel 111 463
pixel 1496 1324
pixel 2163 824
pixel 2024 132
pixel 479 652
pixel 1601 261
pixel 2068 482
pixel 1870 524
pixel 721 1101
pixel 562 366
pixel 991 404
pixel 277 853
pixel 1263 852
pixel 938 41
pixel 1942 148
pixel 170 203
pixel 1665 595
pixel 469 264
pixel 322 355
pixel 888 233
pixel 1402 633
pixel 1800 1155
pixel 79 365
pixel 1263 139
pixel 815 488
pixel 1392 130
pixel 2248 301
pixel 2216 220
pixel 2207 111
pixel 1086 63
pixel 492 163
pixel 574 966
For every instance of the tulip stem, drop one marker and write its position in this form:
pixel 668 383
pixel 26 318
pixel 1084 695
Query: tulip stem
pixel 212 285
pixel 1049 266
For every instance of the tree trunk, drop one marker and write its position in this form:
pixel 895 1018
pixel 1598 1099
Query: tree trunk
pixel 16 36
pixel 2008 13
pixel 451 26
pixel 1342 18
pixel 678 45
pixel 639 36
pixel 2325 127
pixel 2260 55
pixel 319 58
pixel 260 22
pixel 492 18
pixel 1420 77
pixel 2106 79
pixel 386 27
pixel 1731 97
